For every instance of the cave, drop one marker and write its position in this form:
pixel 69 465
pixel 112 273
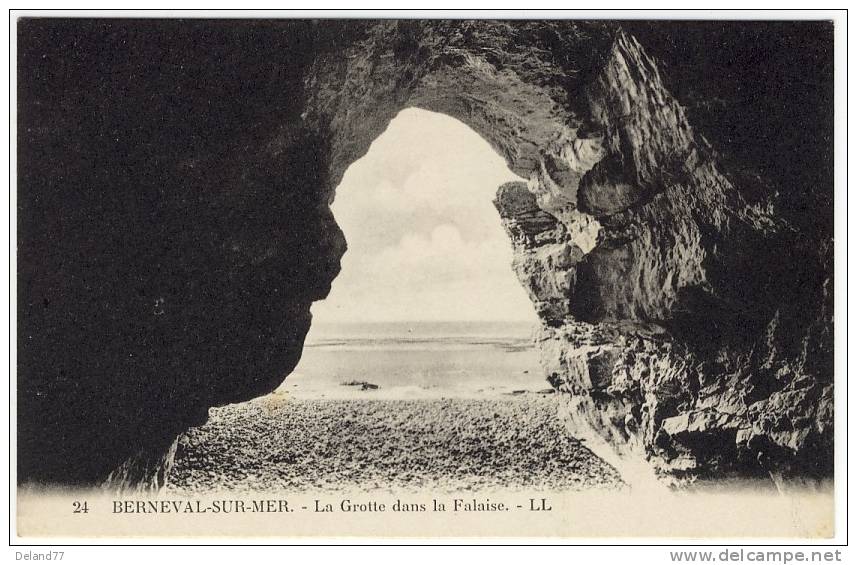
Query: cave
pixel 174 224
pixel 423 346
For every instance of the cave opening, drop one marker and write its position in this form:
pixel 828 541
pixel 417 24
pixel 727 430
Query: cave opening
pixel 420 369
pixel 426 302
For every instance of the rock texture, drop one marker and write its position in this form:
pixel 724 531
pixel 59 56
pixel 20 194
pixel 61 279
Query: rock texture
pixel 174 224
pixel 662 294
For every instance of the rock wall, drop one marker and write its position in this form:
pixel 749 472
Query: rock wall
pixel 174 228
pixel 661 290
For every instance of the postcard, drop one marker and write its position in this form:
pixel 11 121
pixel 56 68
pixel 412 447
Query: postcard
pixel 480 278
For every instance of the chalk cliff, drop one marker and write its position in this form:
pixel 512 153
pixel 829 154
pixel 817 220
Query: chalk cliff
pixel 174 224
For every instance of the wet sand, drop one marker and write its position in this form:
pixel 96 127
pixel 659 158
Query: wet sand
pixel 280 443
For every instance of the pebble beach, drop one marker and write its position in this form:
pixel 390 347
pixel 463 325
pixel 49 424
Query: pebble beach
pixel 282 443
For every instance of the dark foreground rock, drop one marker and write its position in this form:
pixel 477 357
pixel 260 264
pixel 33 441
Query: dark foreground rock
pixel 675 235
pixel 451 445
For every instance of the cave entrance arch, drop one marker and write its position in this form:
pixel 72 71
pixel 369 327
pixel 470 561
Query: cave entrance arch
pixel 428 264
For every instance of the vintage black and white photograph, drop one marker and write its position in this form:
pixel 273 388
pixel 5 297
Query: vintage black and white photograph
pixel 429 276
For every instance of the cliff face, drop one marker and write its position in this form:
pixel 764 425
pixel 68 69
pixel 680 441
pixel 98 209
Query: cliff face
pixel 661 289
pixel 167 265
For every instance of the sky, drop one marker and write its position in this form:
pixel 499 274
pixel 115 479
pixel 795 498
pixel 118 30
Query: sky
pixel 425 242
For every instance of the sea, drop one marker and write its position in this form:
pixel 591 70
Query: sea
pixel 417 360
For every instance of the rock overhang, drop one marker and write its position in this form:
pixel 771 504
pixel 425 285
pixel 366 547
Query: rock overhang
pixel 630 234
